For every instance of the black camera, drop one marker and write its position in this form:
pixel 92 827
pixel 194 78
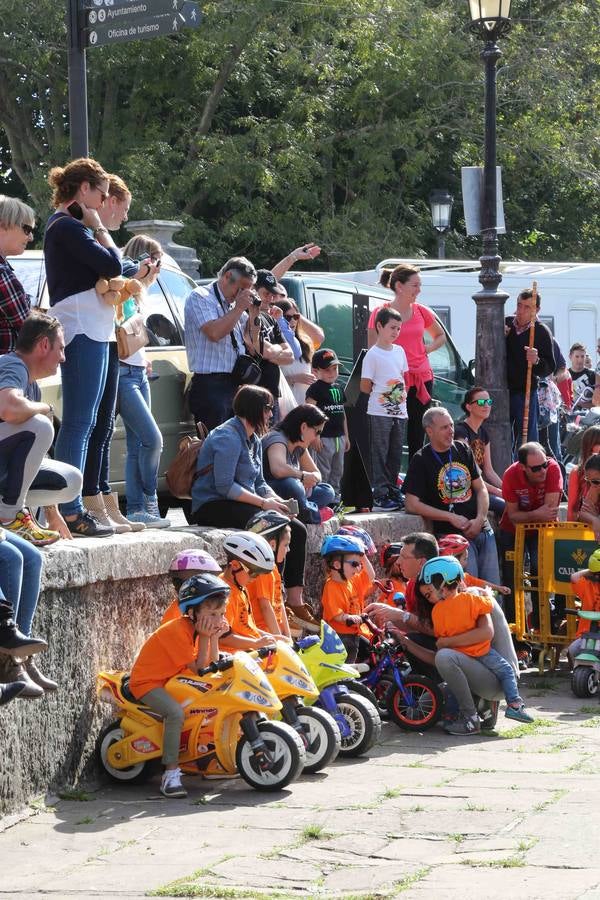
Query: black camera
pixel 256 301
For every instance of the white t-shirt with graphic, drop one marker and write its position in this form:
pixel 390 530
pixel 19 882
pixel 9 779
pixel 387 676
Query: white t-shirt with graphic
pixel 386 369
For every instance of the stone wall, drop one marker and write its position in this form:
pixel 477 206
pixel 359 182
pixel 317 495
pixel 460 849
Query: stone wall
pixel 100 599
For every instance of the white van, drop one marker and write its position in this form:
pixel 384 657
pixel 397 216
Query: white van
pixel 570 295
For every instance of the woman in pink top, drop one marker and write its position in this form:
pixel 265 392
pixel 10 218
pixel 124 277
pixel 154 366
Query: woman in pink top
pixel 405 282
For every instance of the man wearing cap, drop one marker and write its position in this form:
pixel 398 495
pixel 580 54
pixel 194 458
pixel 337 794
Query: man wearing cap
pixel 328 450
pixel 265 333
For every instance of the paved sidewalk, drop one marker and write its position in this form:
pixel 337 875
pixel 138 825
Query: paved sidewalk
pixel 512 815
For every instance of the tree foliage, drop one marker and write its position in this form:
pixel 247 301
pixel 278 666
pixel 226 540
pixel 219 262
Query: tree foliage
pixel 283 120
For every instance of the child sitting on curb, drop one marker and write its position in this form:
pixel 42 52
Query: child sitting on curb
pixel 185 565
pixel 188 643
pixel 344 559
pixel 455 615
pixel 586 585
pixel 248 556
pixel 266 591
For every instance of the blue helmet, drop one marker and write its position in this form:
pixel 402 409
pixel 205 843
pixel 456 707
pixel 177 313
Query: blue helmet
pixel 199 588
pixel 447 566
pixel 341 544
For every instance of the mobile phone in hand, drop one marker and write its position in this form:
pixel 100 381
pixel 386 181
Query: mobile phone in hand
pixel 75 210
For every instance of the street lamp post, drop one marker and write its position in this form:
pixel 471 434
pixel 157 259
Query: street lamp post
pixel 490 20
pixel 441 202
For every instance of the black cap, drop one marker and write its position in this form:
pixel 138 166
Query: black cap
pixel 266 279
pixel 325 358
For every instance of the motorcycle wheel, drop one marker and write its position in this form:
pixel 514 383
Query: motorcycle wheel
pixel 287 750
pixel 322 735
pixel 358 687
pixel 584 681
pixel 364 722
pixel 132 774
pixel 423 708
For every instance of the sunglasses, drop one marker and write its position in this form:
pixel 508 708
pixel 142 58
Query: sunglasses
pixel 102 194
pixel 356 564
pixel 482 402
pixel 316 430
pixel 594 481
pixel 28 229
pixel 269 406
pixel 541 466
pixel 293 317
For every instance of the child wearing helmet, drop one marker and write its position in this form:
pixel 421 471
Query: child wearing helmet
pixel 458 546
pixel 456 614
pixel 266 591
pixel 248 556
pixel 344 558
pixel 389 557
pixel 186 644
pixel 586 585
pixel 183 566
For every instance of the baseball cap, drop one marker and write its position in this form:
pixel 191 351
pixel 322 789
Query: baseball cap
pixel 266 279
pixel 323 359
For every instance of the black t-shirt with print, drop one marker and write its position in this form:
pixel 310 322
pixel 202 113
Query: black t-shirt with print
pixel 477 440
pixel 444 481
pixel 583 381
pixel 330 399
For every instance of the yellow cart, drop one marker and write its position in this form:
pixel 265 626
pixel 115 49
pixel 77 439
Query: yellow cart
pixel 563 548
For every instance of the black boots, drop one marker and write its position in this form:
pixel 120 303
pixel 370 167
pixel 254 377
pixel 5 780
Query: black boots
pixel 13 643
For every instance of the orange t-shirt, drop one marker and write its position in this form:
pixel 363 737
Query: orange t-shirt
pixel 399 587
pixel 342 598
pixel 171 612
pixel 589 594
pixel 266 587
pixel 168 651
pixel 458 614
pixel 239 614
pixel 471 581
pixel 362 585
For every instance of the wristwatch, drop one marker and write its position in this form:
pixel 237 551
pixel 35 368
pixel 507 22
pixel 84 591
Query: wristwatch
pixel 100 229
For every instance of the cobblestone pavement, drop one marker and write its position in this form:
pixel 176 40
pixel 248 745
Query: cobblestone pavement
pixel 510 815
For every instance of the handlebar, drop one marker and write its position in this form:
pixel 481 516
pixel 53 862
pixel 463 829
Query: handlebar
pixel 221 666
pixel 263 652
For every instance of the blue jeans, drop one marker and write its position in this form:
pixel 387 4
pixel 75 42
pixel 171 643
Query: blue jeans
pixel 20 575
pixel 503 671
pixel 321 495
pixel 83 379
pixel 97 463
pixel 483 557
pixel 144 440
pixel 517 405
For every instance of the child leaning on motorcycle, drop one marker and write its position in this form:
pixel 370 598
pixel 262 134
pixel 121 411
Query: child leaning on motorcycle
pixel 188 643
pixel 586 585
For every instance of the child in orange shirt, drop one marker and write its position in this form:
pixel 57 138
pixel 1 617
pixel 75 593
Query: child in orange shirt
pixel 248 556
pixel 458 546
pixel 185 565
pixel 586 585
pixel 344 559
pixel 186 644
pixel 455 613
pixel 266 591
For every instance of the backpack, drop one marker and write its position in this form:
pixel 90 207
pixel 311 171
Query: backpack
pixel 182 473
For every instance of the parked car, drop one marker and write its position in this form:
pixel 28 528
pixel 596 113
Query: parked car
pixel 342 308
pixel 163 311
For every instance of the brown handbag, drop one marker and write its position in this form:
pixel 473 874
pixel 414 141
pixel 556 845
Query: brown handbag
pixel 182 473
pixel 131 336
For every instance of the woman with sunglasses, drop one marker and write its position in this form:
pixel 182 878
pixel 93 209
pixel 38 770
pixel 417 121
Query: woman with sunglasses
pixel 472 431
pixel 230 488
pixel 78 250
pixel 298 374
pixel 17 221
pixel 289 467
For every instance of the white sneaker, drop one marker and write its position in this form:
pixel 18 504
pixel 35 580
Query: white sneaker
pixel 148 520
pixel 171 785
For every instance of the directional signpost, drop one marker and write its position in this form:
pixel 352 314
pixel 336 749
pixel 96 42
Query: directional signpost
pixel 98 23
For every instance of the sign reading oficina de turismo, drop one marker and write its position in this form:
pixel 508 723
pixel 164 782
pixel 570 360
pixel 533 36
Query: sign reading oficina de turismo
pixel 111 21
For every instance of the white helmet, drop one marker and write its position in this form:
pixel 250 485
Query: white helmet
pixel 250 549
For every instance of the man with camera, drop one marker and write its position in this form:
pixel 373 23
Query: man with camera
pixel 215 323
